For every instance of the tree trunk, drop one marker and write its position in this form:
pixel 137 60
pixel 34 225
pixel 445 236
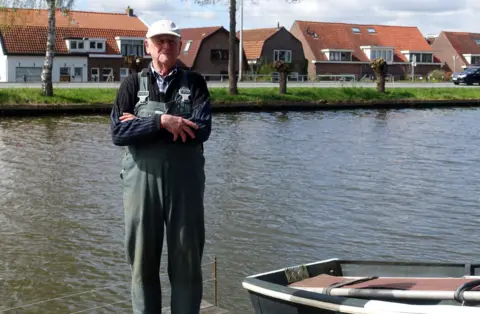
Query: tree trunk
pixel 47 88
pixel 283 83
pixel 232 40
pixel 381 82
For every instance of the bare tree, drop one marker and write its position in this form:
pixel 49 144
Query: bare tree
pixel 379 65
pixel 232 79
pixel 51 6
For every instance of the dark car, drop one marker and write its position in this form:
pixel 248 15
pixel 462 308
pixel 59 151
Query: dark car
pixel 469 76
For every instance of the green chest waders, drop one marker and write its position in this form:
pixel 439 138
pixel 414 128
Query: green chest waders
pixel 163 187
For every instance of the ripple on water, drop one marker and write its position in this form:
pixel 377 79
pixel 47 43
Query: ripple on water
pixel 282 189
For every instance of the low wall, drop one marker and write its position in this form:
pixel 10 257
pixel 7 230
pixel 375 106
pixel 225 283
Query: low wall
pixel 44 109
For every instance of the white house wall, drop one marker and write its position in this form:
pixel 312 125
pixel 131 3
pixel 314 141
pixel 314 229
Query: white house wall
pixel 3 68
pixel 37 62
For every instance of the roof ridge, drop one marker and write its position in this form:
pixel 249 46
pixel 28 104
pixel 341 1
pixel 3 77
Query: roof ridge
pixel 201 27
pixel 69 10
pixel 353 24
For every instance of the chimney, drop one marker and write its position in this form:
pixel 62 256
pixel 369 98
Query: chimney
pixel 278 25
pixel 129 11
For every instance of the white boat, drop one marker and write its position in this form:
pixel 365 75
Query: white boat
pixel 367 287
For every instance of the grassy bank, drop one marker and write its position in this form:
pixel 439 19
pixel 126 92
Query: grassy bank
pixel 15 97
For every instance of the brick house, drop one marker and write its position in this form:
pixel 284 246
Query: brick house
pixel 267 45
pixel 205 50
pixel 457 50
pixel 89 46
pixel 346 49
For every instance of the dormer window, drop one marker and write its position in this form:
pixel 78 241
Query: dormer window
pixel 371 30
pixel 356 30
pixel 94 45
pixel 187 46
pixel 77 45
pixel 377 52
pixel 86 44
pixel 338 55
pixel 477 41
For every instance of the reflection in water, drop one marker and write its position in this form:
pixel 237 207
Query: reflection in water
pixel 282 189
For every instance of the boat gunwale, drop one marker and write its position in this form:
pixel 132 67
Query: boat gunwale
pixel 345 304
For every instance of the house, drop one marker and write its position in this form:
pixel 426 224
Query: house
pixel 264 46
pixel 205 50
pixel 457 49
pixel 89 46
pixel 347 49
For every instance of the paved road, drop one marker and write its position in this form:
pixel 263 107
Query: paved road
pixel 247 84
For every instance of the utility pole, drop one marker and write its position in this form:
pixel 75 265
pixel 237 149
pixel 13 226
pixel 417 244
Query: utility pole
pixel 240 53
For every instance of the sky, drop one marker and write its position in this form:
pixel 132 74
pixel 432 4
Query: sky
pixel 430 16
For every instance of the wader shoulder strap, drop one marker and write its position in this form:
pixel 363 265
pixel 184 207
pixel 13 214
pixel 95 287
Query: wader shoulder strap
pixel 184 86
pixel 143 87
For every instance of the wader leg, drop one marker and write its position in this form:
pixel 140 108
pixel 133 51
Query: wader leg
pixel 184 213
pixel 144 236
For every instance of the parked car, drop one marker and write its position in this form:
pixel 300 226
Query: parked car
pixel 468 77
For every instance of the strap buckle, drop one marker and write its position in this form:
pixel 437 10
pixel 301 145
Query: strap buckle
pixel 143 95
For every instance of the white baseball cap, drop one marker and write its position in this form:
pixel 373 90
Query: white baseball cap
pixel 163 27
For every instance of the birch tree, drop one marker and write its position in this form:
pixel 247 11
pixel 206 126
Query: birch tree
pixel 51 6
pixel 232 80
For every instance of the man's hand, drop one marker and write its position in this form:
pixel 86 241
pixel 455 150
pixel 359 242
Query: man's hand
pixel 127 117
pixel 178 126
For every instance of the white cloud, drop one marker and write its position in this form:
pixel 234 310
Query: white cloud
pixel 431 16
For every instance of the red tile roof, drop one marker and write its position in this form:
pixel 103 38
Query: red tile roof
pixel 77 19
pixel 253 40
pixel 464 43
pixel 341 36
pixel 27 33
pixel 33 39
pixel 196 36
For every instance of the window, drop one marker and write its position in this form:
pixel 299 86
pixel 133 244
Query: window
pixel 387 55
pixel 475 60
pixel 132 47
pixel 187 46
pixel 77 44
pixel 283 55
pixel 427 57
pixel 421 57
pixel 94 74
pixel 124 72
pixel 356 30
pixel 107 74
pixel 96 45
pixel 340 56
pixel 64 71
pixel 218 54
pixel 477 41
pixel 371 30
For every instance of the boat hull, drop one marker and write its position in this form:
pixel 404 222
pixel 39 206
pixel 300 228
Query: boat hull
pixel 286 291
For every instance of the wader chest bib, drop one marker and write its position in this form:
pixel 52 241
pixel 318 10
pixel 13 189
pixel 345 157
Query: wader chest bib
pixel 163 190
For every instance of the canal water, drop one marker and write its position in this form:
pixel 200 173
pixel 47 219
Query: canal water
pixel 282 189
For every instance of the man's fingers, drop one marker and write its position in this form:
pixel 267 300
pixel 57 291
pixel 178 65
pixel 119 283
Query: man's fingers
pixel 183 135
pixel 188 131
pixel 190 123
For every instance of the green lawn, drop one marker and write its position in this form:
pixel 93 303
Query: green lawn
pixel 63 96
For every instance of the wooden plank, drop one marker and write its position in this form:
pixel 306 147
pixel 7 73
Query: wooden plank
pixel 205 308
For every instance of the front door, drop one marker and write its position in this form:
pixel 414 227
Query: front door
pixel 78 74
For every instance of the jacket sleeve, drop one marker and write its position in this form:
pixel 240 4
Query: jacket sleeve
pixel 202 109
pixel 133 131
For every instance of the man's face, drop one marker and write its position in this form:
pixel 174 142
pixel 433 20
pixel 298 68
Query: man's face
pixel 164 48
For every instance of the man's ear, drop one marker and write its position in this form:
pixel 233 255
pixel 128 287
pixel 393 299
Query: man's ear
pixel 145 43
pixel 179 47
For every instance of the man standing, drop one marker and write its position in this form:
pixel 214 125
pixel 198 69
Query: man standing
pixel 163 116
